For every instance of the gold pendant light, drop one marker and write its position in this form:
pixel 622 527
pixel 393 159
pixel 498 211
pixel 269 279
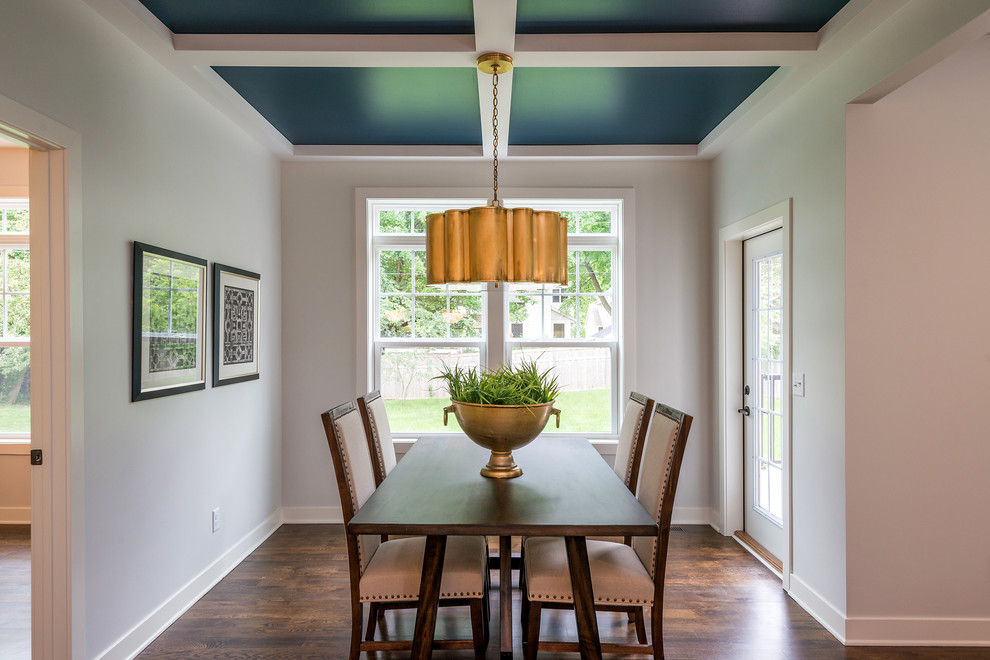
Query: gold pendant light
pixel 493 243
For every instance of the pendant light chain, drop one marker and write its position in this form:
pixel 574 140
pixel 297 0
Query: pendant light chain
pixel 495 201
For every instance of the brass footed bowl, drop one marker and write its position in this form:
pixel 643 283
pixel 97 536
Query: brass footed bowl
pixel 500 429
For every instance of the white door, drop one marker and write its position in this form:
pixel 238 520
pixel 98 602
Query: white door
pixel 763 390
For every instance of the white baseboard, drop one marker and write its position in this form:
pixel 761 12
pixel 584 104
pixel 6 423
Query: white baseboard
pixel 15 515
pixel 312 515
pixel 687 515
pixel 138 637
pixel 823 611
pixel 863 631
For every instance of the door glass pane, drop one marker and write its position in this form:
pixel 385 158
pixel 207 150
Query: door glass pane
pixel 768 420
pixel 413 400
pixel 584 376
pixel 15 389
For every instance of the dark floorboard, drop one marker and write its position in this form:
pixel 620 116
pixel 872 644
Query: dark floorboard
pixel 289 599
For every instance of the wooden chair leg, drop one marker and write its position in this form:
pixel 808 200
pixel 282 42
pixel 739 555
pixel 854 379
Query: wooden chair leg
pixel 656 621
pixel 478 629
pixel 531 634
pixel 523 600
pixel 373 612
pixel 356 615
pixel 640 620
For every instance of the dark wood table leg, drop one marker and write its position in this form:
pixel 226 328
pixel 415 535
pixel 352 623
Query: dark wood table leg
pixel 584 598
pixel 505 595
pixel 429 597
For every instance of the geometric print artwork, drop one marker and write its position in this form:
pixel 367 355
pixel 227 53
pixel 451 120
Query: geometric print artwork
pixel 238 325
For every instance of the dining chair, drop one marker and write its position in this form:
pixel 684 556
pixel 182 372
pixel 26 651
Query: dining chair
pixel 624 578
pixel 372 407
pixel 632 436
pixel 387 574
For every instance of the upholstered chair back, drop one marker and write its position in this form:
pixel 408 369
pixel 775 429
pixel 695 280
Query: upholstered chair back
pixel 658 481
pixel 632 437
pixel 372 408
pixel 354 468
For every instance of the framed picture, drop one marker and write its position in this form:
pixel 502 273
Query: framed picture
pixel 169 338
pixel 236 325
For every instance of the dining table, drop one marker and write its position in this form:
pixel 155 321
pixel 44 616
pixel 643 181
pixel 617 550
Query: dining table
pixel 566 490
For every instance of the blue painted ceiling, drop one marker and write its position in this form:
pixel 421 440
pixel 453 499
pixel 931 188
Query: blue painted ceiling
pixel 318 105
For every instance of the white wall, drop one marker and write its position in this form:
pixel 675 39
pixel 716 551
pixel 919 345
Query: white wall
pixel 673 299
pixel 159 165
pixel 918 355
pixel 799 152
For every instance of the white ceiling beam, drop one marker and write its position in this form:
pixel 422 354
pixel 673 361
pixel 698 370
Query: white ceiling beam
pixel 544 50
pixel 494 32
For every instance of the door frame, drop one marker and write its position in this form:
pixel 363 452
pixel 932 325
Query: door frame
pixel 729 378
pixel 55 162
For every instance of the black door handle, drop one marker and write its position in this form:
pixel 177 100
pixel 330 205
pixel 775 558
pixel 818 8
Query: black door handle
pixel 744 410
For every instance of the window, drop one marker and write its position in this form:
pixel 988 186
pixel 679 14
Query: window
pixel 414 329
pixel 15 321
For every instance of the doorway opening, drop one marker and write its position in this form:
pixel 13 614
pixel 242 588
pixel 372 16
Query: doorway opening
pixel 35 285
pixel 756 479
pixel 15 400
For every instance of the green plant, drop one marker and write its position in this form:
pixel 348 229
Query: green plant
pixel 524 385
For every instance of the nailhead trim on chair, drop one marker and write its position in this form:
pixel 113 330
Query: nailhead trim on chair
pixel 350 486
pixel 566 599
pixel 378 440
pixel 666 480
pixel 390 597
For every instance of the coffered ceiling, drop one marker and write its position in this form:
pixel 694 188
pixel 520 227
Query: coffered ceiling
pixel 397 78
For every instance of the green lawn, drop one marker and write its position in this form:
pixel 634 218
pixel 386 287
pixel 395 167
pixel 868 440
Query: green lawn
pixel 15 419
pixel 587 411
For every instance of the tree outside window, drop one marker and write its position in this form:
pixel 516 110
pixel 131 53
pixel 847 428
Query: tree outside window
pixel 15 320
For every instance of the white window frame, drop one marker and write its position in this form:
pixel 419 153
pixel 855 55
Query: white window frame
pixel 369 200
pixel 9 242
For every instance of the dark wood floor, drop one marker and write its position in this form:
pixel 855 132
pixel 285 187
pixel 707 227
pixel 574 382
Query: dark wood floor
pixel 289 599
pixel 15 592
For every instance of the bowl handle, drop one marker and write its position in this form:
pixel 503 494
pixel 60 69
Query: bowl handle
pixel 450 409
pixel 553 411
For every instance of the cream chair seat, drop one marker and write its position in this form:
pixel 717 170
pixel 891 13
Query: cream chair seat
pixel 387 574
pixel 624 578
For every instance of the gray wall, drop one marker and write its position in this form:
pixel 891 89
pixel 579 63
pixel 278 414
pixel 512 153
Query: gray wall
pixel 159 165
pixel 799 152
pixel 672 304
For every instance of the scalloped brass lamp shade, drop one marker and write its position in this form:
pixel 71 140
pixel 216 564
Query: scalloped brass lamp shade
pixel 493 243
pixel 496 244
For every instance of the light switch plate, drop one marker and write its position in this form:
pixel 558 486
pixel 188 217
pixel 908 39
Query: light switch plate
pixel 797 384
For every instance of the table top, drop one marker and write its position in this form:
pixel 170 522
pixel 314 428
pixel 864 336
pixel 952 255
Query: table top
pixel 566 489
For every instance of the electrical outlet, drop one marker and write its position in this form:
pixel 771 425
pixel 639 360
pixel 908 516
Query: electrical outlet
pixel 216 519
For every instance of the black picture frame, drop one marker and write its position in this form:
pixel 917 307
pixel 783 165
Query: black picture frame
pixel 236 325
pixel 168 340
